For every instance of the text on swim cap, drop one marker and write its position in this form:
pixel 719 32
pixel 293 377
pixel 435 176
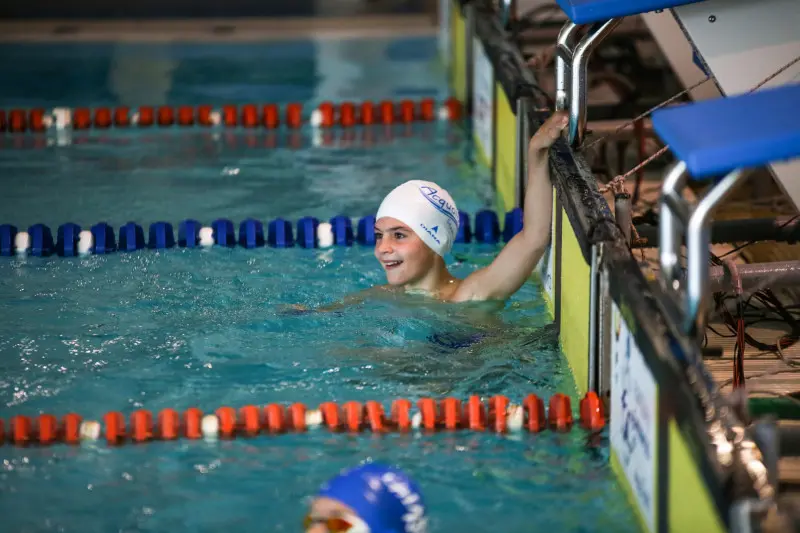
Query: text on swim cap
pixel 414 517
pixel 442 205
pixel 431 232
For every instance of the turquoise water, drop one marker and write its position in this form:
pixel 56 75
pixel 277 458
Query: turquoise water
pixel 208 328
pixel 149 176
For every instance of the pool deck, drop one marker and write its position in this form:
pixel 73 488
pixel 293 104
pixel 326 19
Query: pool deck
pixel 748 203
pixel 767 375
pixel 217 30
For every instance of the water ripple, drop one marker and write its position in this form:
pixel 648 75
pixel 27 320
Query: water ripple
pixel 194 328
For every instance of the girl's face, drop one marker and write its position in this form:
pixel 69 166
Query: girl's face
pixel 403 255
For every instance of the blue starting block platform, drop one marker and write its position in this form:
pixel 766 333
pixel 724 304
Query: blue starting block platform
pixel 714 137
pixel 588 11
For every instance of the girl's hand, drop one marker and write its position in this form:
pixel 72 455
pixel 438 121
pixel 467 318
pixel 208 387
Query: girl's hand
pixel 549 133
pixel 293 309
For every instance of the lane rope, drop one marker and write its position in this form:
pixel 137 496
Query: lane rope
pixel 269 116
pixel 309 232
pixel 498 415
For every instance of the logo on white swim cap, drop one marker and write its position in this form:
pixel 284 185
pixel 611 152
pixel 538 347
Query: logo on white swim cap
pixel 441 202
pixel 427 209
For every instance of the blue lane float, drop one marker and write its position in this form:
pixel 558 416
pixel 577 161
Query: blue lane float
pixel 104 239
pixel 464 233
pixel 41 240
pixel 280 233
pixel 161 236
pixel 189 233
pixel 131 237
pixel 309 232
pixel 223 232
pixel 513 223
pixel 67 239
pixel 8 235
pixel 342 228
pixel 251 233
pixel 366 231
pixel 487 226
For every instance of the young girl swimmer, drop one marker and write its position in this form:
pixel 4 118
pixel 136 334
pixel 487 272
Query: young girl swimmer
pixel 417 223
pixel 371 498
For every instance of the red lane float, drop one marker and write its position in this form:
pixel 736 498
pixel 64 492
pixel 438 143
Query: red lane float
pixel 252 137
pixel 186 116
pixel 327 115
pixel 294 115
pixel 102 118
pixel 17 121
pixel 428 415
pixel 250 118
pixel 145 117
pixel 122 117
pixel 347 115
pixel 407 112
pixel 166 116
pixel 592 412
pixel 37 122
pixel 271 116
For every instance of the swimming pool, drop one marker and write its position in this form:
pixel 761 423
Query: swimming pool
pixel 183 328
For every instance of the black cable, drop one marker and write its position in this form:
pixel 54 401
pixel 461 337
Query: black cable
pixel 771 304
pixel 718 334
pixel 784 342
pixel 745 245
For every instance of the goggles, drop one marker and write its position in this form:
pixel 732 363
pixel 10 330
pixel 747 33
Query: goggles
pixel 339 524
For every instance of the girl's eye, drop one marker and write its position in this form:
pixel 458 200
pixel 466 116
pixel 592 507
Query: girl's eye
pixel 378 236
pixel 398 235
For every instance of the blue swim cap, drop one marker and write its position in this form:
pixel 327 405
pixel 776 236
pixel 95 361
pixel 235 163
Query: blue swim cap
pixel 382 496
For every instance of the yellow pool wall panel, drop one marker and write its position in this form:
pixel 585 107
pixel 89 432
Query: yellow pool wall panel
pixel 459 51
pixel 505 142
pixel 691 507
pixel 575 285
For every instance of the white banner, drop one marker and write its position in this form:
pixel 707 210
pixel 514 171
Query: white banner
pixel 546 269
pixel 549 270
pixel 482 103
pixel 633 416
pixel 444 31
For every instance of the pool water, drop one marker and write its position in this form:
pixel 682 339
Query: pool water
pixel 207 328
pixel 147 176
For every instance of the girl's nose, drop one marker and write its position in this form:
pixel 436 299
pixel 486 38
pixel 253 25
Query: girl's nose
pixel 384 246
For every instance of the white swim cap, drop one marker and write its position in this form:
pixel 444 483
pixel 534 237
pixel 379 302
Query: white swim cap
pixel 427 209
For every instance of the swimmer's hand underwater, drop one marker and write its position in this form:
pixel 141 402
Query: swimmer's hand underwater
pixel 351 299
pixel 417 223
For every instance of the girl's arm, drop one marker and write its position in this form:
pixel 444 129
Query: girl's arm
pixel 516 261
